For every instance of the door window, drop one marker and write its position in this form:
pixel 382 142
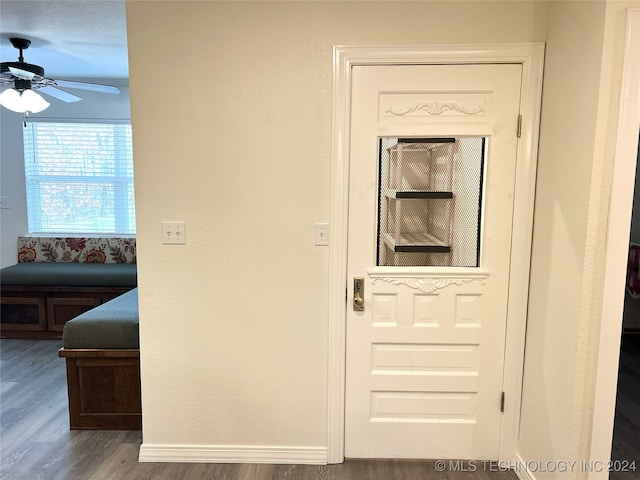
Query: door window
pixel 430 201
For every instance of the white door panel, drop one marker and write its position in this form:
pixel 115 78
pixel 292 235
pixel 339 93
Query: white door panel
pixel 425 358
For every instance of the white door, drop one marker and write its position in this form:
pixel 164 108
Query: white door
pixel 425 358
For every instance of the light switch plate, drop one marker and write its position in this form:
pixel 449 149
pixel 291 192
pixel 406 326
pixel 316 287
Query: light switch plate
pixel 5 202
pixel 321 234
pixel 173 233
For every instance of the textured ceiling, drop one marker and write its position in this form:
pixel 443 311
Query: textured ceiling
pixel 72 40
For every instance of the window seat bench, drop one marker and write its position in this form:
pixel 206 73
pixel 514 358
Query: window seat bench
pixel 38 298
pixel 101 348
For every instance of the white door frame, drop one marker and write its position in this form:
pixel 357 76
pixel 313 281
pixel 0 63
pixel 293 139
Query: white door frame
pixel 619 222
pixel 531 57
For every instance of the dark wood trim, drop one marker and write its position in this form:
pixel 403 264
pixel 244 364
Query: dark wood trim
pixel 30 335
pixel 99 353
pixel 30 290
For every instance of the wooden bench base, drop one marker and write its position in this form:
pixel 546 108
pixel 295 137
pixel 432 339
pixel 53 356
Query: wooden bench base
pixel 104 388
pixel 42 311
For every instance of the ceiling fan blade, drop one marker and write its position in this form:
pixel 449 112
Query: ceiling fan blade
pixel 23 74
pixel 88 86
pixel 59 94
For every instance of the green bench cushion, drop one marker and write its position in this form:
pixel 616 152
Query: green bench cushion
pixel 113 324
pixel 66 274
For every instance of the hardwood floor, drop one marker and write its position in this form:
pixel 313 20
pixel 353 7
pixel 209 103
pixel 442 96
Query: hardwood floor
pixel 36 443
pixel 626 446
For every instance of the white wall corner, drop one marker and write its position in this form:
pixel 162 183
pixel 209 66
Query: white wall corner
pixel 620 211
pixel 233 454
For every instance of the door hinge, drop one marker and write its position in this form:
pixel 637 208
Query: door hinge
pixel 519 131
pixel 502 403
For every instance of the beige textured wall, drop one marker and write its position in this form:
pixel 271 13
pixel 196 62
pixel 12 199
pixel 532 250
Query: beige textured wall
pixel 231 111
pixel 552 390
pixel 579 112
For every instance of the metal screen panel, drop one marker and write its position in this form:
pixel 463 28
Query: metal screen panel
pixel 430 201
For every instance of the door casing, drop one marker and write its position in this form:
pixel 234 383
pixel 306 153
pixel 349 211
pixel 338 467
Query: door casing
pixel 531 57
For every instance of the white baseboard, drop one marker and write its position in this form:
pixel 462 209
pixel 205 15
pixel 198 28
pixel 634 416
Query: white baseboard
pixel 523 472
pixel 232 454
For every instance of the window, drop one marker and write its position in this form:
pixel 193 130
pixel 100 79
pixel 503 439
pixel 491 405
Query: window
pixel 79 178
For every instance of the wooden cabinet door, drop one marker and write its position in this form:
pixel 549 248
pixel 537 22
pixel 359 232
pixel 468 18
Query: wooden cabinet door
pixel 23 313
pixel 62 309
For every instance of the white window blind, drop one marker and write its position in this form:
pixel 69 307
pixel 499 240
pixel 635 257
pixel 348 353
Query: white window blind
pixel 79 178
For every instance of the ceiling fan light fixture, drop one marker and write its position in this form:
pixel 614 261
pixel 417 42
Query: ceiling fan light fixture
pixel 25 77
pixel 25 101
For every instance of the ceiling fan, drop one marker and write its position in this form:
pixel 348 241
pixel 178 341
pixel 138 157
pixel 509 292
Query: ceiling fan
pixel 26 78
